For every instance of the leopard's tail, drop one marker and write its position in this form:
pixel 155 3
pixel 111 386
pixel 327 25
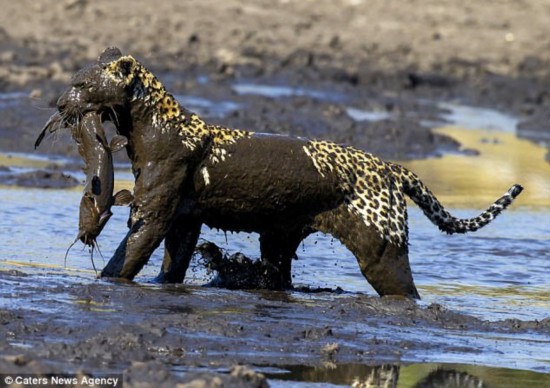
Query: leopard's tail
pixel 432 208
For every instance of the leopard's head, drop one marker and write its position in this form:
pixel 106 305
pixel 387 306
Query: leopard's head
pixel 112 82
pixel 109 86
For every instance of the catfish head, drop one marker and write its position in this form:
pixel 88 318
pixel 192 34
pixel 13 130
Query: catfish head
pixel 92 218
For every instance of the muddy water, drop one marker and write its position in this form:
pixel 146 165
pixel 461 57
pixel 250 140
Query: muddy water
pixel 496 273
pixel 499 272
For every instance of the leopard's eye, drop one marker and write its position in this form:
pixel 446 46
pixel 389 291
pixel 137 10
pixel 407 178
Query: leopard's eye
pixel 80 84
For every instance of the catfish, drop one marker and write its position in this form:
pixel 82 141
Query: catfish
pixel 97 199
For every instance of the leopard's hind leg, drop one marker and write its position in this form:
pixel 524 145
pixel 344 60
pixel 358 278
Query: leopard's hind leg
pixel 277 249
pixel 384 264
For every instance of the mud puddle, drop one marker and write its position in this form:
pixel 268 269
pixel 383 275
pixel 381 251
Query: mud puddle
pixel 481 304
pixel 489 279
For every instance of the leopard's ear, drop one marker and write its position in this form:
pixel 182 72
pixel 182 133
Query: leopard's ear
pixel 122 69
pixel 126 66
pixel 109 54
pixel 125 70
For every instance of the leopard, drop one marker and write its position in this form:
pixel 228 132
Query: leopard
pixel 189 173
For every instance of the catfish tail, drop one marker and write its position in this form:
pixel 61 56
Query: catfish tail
pixel 432 208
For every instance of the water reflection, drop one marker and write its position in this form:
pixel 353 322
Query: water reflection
pixel 415 375
pixel 277 91
pixel 473 117
pixel 472 181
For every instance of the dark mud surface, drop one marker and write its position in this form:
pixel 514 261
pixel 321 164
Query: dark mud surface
pixel 156 334
pixel 370 73
pixel 397 60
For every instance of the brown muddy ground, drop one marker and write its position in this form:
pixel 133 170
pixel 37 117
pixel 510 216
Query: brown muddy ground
pixel 383 57
pixel 396 57
pixel 67 324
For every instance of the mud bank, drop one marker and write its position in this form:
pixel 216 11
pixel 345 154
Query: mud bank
pixel 154 334
pixel 362 55
pixel 45 179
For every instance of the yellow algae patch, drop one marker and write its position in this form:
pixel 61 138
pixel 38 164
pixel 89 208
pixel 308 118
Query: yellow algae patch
pixel 14 263
pixel 476 181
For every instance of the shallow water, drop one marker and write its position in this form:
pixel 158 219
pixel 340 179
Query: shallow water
pixel 205 107
pixel 473 117
pixel 277 91
pixel 496 273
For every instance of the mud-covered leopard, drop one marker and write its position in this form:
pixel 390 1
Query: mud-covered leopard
pixel 189 173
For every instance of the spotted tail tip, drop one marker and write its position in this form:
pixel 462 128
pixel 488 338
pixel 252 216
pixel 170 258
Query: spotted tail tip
pixel 515 190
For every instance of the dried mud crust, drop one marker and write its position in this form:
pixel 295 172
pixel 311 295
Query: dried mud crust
pixel 363 50
pixel 148 332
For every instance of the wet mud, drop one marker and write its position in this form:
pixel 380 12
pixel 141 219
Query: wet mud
pixel 369 84
pixel 152 332
pixel 42 178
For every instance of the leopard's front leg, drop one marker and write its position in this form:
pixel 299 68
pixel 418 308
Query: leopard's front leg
pixel 157 194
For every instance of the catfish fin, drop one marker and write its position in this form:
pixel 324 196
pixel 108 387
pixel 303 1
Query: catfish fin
pixel 123 198
pixel 118 142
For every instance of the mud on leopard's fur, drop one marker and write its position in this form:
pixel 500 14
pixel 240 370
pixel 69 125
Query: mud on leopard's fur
pixel 167 112
pixel 374 189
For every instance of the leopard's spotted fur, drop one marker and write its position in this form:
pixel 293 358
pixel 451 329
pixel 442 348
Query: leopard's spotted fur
pixel 374 189
pixel 168 115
